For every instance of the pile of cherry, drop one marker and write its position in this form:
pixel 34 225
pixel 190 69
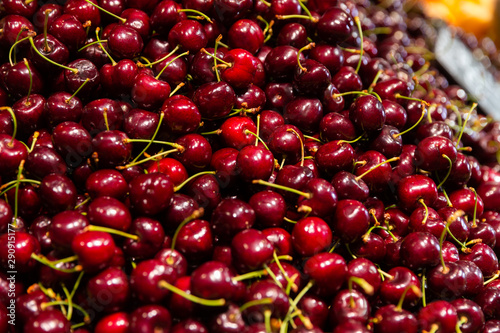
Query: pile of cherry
pixel 240 166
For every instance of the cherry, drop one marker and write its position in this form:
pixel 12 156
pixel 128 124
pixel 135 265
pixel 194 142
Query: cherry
pixel 393 288
pixel 367 113
pixel 145 280
pixel 106 182
pixel 189 34
pixel 335 25
pixel 334 126
pixel 278 94
pixel 254 162
pixel 349 305
pixel 311 235
pixel 229 11
pixel 236 131
pixel 58 193
pixel 412 188
pixel 230 217
pixel 281 240
pixel 102 114
pixel 15 27
pixel 305 113
pixel 150 318
pixel 347 80
pixel 111 149
pixel 150 193
pixel 29 305
pixel 95 249
pixel 488 299
pixel 315 309
pixel 265 289
pixel 214 280
pixel 284 141
pixel 323 201
pixel 116 322
pixel 470 315
pixel 148 92
pixel 227 321
pixel 150 238
pixel 206 192
pixel 189 326
pixel 25 246
pixel 351 220
pixel 113 284
pixel 269 207
pixel 334 156
pixel 420 250
pixel 484 257
pixel 73 142
pixel 281 61
pixel 48 321
pixel 181 115
pixel 321 267
pixel 214 99
pixel 435 153
pixel 439 314
pixel 195 240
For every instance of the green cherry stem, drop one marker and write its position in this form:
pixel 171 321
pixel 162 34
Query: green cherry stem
pixel 362 93
pixel 45 27
pixel 30 87
pixel 121 19
pixel 447 173
pixel 171 61
pixel 43 260
pixel 149 158
pixel 255 302
pixel 392 159
pixel 424 279
pixel 218 59
pixel 293 306
pixel 14 124
pixel 250 275
pixel 181 185
pixel 358 24
pixel 86 317
pixel 474 105
pixel 99 41
pixel 13 47
pixel 74 70
pixel 257 138
pixel 290 284
pixel 195 215
pixel 474 215
pixel 77 90
pixel 191 297
pixel 16 198
pixel 92 43
pixel 160 120
pixel 10 185
pixel 280 187
pixel 187 10
pixel 112 231
pixel 307 47
pixel 69 314
pixel 414 125
pixel 302 154
pixel 171 144
pixel 414 288
pixel 426 216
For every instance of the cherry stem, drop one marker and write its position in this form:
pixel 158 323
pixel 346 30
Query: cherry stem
pixel 86 317
pixel 255 302
pixel 426 210
pixel 121 19
pixel 367 288
pixel 424 301
pixel 493 278
pixel 196 12
pixel 258 131
pixel 16 198
pixel 297 16
pixel 14 124
pixel 112 231
pixel 171 144
pixel 181 185
pixel 99 41
pixel 216 58
pixel 92 43
pixel 10 185
pixel 286 219
pixel 194 215
pixel 362 93
pixel 74 70
pixel 312 138
pixel 257 138
pixel 281 187
pixel 447 173
pixel 149 158
pixel 396 158
pixel 77 90
pixel 45 27
pixel 35 136
pixel 267 320
pixel 52 264
pixel 250 275
pixel 374 82
pixel 177 87
pixel 352 141
pixel 384 274
pixel 268 4
pixel 358 24
pixel 414 125
pixel 82 203
pixel 30 74
pixel 414 288
pixel 12 48
pixel 307 47
pixel 160 120
pixel 216 70
pixel 301 145
pixel 293 305
pixel 77 284
pixel 171 61
pixel 474 224
pixel 291 285
pixel 69 315
pixel 474 105
pixel 23 29
pixel 273 276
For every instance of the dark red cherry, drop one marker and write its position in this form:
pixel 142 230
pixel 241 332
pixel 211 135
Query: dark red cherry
pixel 230 217
pixel 150 193
pixel 393 287
pixel 266 289
pixel 109 212
pixel 321 267
pixel 438 313
pixel 148 92
pixel 367 113
pixel 389 318
pixel 195 241
pixel 188 34
pixel 334 156
pixel 214 99
pixel 251 250
pixel 351 220
pixel 206 192
pixel 281 61
pixel 116 322
pixel 58 193
pixel 334 126
pixel 52 319
pixel 278 94
pixel 484 257
pixel 213 280
pixel 420 250
pixel 305 113
pixel 60 108
pixel 335 25
pixel 111 149
pixel 346 80
pixel 197 152
pixel 415 187
pixel 146 277
pixel 112 282
pixel 181 115
pixel 25 245
pixel 430 151
pixel 85 70
pixel 254 162
pixel 106 182
pixel 349 305
pixel 73 142
pixel 469 314
pixel 150 318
